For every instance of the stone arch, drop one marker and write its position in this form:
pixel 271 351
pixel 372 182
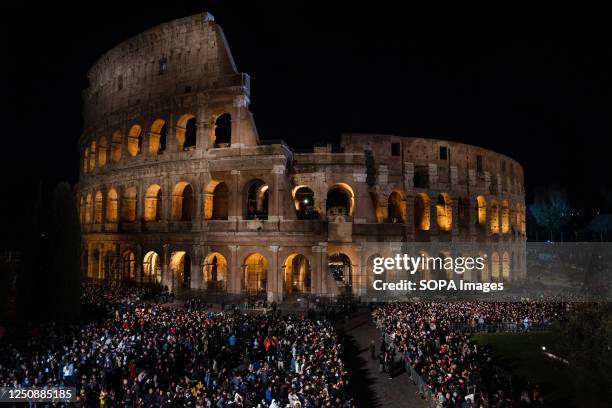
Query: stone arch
pixel 182 202
pixel 129 200
pixel 215 271
pixel 157 136
pixel 257 199
pixel 297 275
pixel 180 265
pixel 128 265
pixel 92 156
pixel 505 217
pixel 304 202
pixel 222 130
pixel 444 212
pixel 397 208
pixel 341 268
pixel 151 267
pixel 422 206
pixel 481 202
pixel 88 207
pixel 134 140
pixel 153 203
pixel 340 200
pixel 495 266
pixel 506 266
pixel 98 205
pixel 255 273
pixel 463 209
pixel 216 201
pixel 494 218
pixel 102 151
pixel 116 146
pixel 186 132
pixel 111 205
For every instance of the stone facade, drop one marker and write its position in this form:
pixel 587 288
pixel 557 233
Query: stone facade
pixel 177 187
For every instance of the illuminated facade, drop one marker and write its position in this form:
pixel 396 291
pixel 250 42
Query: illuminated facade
pixel 177 187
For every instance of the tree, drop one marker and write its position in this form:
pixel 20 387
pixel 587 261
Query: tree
pixel 550 210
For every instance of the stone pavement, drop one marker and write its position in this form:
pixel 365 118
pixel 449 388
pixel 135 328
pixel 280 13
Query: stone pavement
pixel 370 388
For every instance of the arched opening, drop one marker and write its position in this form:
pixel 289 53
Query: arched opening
pixel 505 217
pixel 116 142
pixel 421 212
pixel 341 268
pixel 297 274
pixel 223 130
pixel 86 160
pixel 88 205
pixel 215 272
pixel 482 211
pixel 98 203
pixel 111 205
pixel 397 208
pixel 506 266
pixel 444 212
pixel 157 137
pixel 134 140
pixel 102 151
pixel 494 220
pixel 216 201
pixel 463 209
pixel 303 199
pixel 484 272
pixel 95 267
pixel 153 203
pixel 151 267
pixel 182 202
pixel 371 276
pixel 186 132
pixel 82 210
pixel 255 273
pixel 340 201
pixel 495 266
pixel 129 265
pixel 257 200
pixel 180 265
pixel 190 134
pixel 128 204
pixel 517 215
pixel 92 156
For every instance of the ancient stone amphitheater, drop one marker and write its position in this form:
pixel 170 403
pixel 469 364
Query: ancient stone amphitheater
pixel 177 186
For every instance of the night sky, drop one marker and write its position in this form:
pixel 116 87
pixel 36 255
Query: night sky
pixel 536 89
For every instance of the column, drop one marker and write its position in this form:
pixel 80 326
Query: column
pixel 235 271
pixel 274 290
pixel 196 268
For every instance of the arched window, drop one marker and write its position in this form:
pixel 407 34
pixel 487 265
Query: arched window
pixel 216 201
pixel 340 200
pixel 397 208
pixel 129 265
pixel 303 199
pixel 153 203
pixel 88 205
pixel 495 266
pixel 494 220
pixel 102 151
pixel 92 156
pixel 444 212
pixel 190 134
pixel 134 141
pixel 341 268
pixel 482 211
pixel 505 217
pixel 157 137
pixel 180 265
pixel 223 130
pixel 421 212
pixel 151 267
pixel 297 275
pixel 128 204
pixel 86 160
pixel 257 200
pixel 186 132
pixel 116 142
pixel 182 202
pixel 98 208
pixel 215 272
pixel 111 206
pixel 506 266
pixel 463 208
pixel 255 273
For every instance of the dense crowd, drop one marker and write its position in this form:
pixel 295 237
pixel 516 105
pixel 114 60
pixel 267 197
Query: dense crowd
pixel 458 372
pixel 143 354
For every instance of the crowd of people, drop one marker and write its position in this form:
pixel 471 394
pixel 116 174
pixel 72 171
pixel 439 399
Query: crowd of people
pixel 457 372
pixel 145 354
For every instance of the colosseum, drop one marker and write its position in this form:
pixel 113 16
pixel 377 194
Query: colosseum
pixel 177 186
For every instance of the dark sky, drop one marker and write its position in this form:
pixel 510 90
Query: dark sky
pixel 537 88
